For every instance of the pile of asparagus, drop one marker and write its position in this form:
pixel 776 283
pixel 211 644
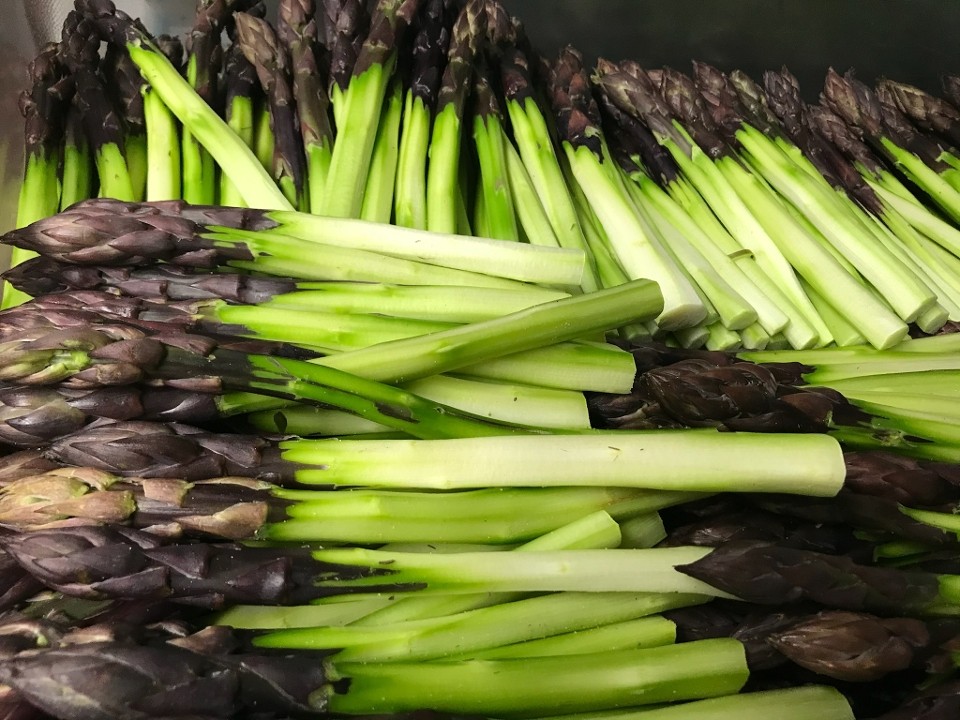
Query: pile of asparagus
pixel 484 455
pixel 766 221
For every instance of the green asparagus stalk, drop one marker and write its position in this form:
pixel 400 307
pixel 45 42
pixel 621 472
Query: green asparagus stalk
pixel 636 245
pixel 378 193
pixel 297 27
pixel 444 168
pixel 239 81
pixel 163 137
pixel 42 108
pixel 429 54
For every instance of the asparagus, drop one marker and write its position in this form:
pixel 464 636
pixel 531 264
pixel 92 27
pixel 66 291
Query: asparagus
pixel 937 702
pixel 639 250
pixel 239 81
pixel 892 135
pixel 205 237
pixel 163 141
pixel 229 683
pixel 262 48
pixel 239 509
pixel 632 91
pixel 345 28
pixel 443 170
pixel 363 100
pixel 430 46
pixel 42 108
pixel 198 118
pixel 927 111
pixel 126 89
pixel 297 27
pixel 882 327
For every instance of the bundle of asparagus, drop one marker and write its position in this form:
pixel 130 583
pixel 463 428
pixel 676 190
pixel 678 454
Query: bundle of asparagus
pixel 507 514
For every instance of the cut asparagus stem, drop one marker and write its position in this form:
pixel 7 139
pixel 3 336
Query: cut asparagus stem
pixel 491 627
pixel 818 469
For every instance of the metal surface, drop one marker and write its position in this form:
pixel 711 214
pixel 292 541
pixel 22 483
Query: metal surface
pixel 910 40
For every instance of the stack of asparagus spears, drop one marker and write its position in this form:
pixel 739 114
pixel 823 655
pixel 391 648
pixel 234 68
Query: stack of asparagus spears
pixel 267 458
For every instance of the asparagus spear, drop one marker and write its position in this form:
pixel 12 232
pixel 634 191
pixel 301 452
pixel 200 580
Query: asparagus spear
pixel 80 52
pixel 363 101
pixel 430 46
pixel 631 90
pixel 927 111
pixel 444 168
pixel 42 107
pixel 882 327
pixel 297 27
pixel 641 253
pixel 228 683
pixel 240 509
pixel 126 88
pixel 262 48
pixel 239 82
pixel 205 237
pixel 345 28
pixel 163 135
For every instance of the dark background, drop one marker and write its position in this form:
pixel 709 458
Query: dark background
pixel 909 40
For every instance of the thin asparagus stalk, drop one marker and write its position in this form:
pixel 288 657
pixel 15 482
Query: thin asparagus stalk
pixel 163 166
pixel 261 47
pixel 489 141
pixel 42 108
pixel 126 89
pixel 797 703
pixel 198 118
pixel 536 148
pixel 444 167
pixel 377 205
pixel 476 630
pixel 78 170
pixel 429 55
pixel 346 24
pixel 239 81
pixel 297 27
pixel 202 70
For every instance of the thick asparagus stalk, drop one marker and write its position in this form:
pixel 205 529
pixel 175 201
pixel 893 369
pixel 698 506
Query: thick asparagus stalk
pixel 239 82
